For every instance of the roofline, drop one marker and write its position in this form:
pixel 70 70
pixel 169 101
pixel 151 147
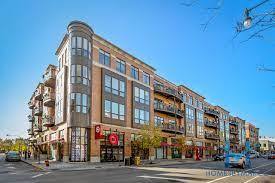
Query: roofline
pixel 222 108
pixel 61 44
pixel 135 58
pixel 157 75
pixel 192 91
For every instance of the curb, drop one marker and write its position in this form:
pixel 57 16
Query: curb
pixel 33 164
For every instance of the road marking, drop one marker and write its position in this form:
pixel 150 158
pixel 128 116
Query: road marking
pixel 237 173
pixel 12 173
pixel 163 178
pixel 37 175
pixel 11 167
pixel 258 176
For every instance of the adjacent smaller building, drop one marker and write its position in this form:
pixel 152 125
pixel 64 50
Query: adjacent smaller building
pixel 252 135
pixel 267 144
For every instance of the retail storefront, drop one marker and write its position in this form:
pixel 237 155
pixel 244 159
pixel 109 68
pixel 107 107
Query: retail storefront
pixel 189 149
pixel 199 149
pixel 112 147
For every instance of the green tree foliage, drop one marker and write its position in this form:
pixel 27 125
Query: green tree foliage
pixel 18 144
pixel 150 137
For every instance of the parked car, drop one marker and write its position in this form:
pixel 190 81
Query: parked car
pixel 218 157
pixel 13 156
pixel 254 154
pixel 235 160
pixel 271 155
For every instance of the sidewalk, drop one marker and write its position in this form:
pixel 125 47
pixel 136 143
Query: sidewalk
pixel 165 162
pixel 72 166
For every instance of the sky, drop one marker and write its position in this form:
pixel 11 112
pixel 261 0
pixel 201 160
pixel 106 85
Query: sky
pixel 165 34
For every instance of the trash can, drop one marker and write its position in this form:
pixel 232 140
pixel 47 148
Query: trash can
pixel 137 161
pixel 127 162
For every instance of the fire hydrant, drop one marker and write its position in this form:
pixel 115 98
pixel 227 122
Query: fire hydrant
pixel 47 163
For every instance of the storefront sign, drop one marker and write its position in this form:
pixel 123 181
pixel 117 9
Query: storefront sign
pixel 98 134
pixel 113 138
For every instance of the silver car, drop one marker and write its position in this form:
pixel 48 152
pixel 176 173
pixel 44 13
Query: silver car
pixel 237 159
pixel 13 156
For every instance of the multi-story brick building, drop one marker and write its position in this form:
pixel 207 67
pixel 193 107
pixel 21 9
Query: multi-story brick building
pixel 252 135
pixel 98 89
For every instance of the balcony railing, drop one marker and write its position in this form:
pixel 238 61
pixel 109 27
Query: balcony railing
pixel 233 123
pixel 48 121
pixel 49 78
pixel 38 110
pixel 214 136
pixel 49 99
pixel 170 110
pixel 172 128
pixel 37 127
pixel 234 140
pixel 38 95
pixel 31 118
pixel 30 131
pixel 169 92
pixel 213 124
pixel 31 104
pixel 234 131
pixel 211 112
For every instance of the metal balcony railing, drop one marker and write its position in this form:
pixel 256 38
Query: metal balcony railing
pixel 49 99
pixel 30 118
pixel 211 111
pixel 209 135
pixel 48 121
pixel 38 110
pixel 49 78
pixel 213 124
pixel 172 128
pixel 37 127
pixel 167 109
pixel 234 131
pixel 167 91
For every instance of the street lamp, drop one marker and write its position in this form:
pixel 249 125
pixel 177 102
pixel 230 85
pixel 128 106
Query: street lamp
pixel 248 20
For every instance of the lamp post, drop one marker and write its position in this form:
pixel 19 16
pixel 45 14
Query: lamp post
pixel 247 23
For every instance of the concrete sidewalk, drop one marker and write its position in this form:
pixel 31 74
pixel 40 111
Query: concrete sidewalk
pixel 72 166
pixel 164 162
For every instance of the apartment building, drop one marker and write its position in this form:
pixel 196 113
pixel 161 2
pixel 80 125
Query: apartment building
pixel 99 93
pixel 252 135
pixel 267 144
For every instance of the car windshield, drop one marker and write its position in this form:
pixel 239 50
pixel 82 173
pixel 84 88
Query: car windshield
pixel 13 153
pixel 235 155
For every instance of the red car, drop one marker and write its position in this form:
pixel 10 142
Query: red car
pixel 271 156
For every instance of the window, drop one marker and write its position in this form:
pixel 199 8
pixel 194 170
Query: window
pixel 200 105
pixel 81 47
pixel 79 102
pixel 141 96
pixel 120 66
pixel 52 136
pixel 184 97
pixel 190 101
pixel 159 121
pixel 114 110
pixel 134 72
pixel 61 134
pixel 200 117
pixel 146 78
pixel 196 102
pixel 190 128
pixel 200 130
pixel 104 58
pixel 172 123
pixel 141 116
pixel 189 113
pixel 114 86
pixel 80 74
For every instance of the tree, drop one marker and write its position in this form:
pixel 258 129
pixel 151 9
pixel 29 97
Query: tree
pixel 150 137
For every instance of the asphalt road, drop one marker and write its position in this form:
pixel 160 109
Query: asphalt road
pixel 262 170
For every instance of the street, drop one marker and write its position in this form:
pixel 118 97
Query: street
pixel 262 170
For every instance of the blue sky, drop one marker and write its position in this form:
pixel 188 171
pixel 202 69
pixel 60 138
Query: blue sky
pixel 164 34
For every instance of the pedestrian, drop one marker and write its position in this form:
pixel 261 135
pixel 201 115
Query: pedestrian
pixel 25 154
pixel 29 154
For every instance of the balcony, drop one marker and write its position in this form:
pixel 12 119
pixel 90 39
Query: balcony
pixel 37 127
pixel 31 104
pixel 170 110
pixel 48 121
pixel 212 136
pixel 38 110
pixel 211 112
pixel 30 131
pixel 213 124
pixel 234 140
pixel 49 99
pixel 38 95
pixel 31 118
pixel 234 131
pixel 49 77
pixel 233 123
pixel 166 127
pixel 168 92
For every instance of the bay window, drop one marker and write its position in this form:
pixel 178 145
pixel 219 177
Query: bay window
pixel 114 86
pixel 81 47
pixel 114 110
